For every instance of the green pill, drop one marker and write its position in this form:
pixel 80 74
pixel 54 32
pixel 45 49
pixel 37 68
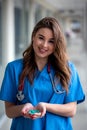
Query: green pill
pixel 33 111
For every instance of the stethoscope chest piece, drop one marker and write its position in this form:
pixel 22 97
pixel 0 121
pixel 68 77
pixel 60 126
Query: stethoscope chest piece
pixel 20 96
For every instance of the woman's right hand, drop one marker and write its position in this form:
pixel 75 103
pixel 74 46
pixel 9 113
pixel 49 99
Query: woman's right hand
pixel 25 110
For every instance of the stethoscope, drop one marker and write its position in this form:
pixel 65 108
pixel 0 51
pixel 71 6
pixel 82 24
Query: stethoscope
pixel 52 81
pixel 20 95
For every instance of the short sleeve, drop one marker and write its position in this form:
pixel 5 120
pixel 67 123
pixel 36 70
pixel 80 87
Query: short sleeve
pixel 8 90
pixel 75 93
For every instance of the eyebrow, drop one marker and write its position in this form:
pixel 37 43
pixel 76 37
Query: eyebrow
pixel 41 35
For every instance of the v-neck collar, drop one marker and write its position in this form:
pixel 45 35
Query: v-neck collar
pixel 44 72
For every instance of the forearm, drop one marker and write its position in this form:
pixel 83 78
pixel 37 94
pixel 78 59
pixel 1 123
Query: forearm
pixel 67 110
pixel 12 110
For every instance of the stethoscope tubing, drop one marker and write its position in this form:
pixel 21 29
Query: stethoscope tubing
pixel 54 87
pixel 20 95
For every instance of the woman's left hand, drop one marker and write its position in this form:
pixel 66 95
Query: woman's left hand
pixel 42 108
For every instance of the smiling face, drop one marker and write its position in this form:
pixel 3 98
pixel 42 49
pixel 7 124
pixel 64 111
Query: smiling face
pixel 43 43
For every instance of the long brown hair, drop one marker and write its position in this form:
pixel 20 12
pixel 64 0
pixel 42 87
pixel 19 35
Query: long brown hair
pixel 59 59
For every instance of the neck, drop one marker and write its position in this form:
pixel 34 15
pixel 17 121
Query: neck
pixel 41 63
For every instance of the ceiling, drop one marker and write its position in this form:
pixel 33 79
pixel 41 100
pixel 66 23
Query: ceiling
pixel 68 4
pixel 69 7
pixel 65 7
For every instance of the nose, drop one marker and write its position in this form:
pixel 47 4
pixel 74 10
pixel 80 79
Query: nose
pixel 45 44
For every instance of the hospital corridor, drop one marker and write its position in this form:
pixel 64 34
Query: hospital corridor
pixel 17 19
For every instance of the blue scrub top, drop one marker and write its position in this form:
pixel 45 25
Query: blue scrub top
pixel 40 91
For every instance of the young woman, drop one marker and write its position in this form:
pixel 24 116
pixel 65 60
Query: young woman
pixel 44 81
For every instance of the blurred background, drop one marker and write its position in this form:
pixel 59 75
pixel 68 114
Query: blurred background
pixel 17 19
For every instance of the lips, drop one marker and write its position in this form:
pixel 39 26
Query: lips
pixel 42 50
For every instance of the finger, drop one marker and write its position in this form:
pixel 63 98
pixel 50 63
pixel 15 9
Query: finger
pixel 34 116
pixel 43 113
pixel 28 116
pixel 24 110
pixel 38 114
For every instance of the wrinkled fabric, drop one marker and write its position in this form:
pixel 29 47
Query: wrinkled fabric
pixel 40 91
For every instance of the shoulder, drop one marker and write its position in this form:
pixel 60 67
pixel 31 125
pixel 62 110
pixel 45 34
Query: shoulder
pixel 15 65
pixel 18 62
pixel 72 66
pixel 74 71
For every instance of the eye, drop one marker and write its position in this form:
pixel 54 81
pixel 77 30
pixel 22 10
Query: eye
pixel 51 41
pixel 41 38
